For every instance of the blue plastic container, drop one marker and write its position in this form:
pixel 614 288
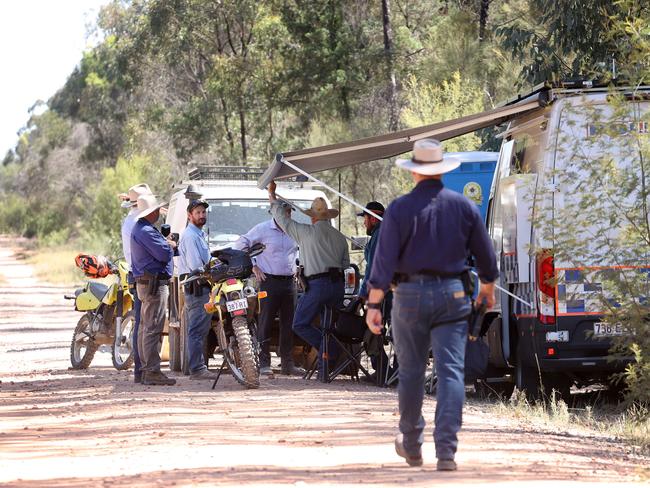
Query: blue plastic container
pixel 473 177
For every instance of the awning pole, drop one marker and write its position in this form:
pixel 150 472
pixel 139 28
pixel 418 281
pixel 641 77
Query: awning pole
pixel 296 168
pixel 302 172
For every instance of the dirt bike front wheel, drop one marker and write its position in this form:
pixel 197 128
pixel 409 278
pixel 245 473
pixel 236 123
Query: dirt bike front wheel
pixel 82 347
pixel 122 353
pixel 240 353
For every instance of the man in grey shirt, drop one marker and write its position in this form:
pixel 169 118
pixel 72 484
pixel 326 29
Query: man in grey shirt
pixel 324 254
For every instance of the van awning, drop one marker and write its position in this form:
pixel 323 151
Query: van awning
pixel 388 145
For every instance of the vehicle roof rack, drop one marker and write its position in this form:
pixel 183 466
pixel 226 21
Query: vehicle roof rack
pixel 241 173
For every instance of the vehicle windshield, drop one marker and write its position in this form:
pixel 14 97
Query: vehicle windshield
pixel 229 219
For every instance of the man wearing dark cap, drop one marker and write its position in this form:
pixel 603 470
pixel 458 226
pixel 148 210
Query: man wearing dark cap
pixel 372 224
pixel 194 253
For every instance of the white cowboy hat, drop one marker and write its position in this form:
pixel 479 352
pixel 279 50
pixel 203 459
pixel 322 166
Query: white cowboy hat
pixel 320 211
pixel 130 198
pixel 428 159
pixel 148 204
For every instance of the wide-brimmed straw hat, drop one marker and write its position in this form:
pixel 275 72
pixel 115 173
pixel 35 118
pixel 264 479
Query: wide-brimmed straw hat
pixel 320 211
pixel 148 204
pixel 130 198
pixel 428 159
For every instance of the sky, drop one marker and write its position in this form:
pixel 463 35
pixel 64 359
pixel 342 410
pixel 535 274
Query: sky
pixel 41 41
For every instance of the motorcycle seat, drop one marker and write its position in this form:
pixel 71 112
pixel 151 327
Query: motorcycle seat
pixel 97 289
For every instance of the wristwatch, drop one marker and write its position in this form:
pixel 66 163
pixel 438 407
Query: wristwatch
pixel 373 306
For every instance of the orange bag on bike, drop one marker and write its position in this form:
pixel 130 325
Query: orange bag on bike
pixel 93 266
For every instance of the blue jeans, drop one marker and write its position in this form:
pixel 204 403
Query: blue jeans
pixel 322 292
pixel 198 326
pixel 417 309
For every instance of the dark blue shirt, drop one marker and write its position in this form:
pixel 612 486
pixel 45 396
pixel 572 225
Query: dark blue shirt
pixel 431 229
pixel 369 254
pixel 150 252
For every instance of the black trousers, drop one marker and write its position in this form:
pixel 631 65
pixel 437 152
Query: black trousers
pixel 281 298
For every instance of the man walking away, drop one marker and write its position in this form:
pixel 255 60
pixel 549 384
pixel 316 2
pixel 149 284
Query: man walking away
pixel 426 238
pixel 151 255
pixel 194 253
pixel 324 254
pixel 274 269
pixel 130 201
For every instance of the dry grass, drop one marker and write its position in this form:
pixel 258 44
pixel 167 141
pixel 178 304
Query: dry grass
pixel 631 425
pixel 55 265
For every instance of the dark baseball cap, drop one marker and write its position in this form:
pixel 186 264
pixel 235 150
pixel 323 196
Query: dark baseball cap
pixel 376 207
pixel 197 203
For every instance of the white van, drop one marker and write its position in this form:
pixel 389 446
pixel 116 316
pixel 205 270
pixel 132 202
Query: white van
pixel 534 209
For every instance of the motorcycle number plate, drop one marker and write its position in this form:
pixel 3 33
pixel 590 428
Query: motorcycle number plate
pixel 235 305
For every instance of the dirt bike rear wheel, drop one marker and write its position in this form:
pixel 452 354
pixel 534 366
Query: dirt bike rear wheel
pixel 82 347
pixel 122 353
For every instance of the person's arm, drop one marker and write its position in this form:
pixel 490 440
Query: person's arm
pixel 292 228
pixel 155 244
pixel 246 241
pixel 386 254
pixel 372 246
pixel 480 245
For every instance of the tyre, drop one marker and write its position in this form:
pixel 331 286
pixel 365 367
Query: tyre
pixel 184 353
pixel 174 348
pixel 527 380
pixel 240 353
pixel 82 347
pixel 122 353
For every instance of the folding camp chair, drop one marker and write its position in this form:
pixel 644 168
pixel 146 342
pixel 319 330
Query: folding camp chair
pixel 345 329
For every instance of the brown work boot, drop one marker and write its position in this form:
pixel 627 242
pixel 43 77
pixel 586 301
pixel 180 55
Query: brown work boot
pixel 203 374
pixel 446 465
pixel 415 460
pixel 156 378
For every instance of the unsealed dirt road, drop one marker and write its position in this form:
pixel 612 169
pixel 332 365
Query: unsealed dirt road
pixel 60 427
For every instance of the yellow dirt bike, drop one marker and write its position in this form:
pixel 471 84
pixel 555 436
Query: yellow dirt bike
pixel 109 319
pixel 234 302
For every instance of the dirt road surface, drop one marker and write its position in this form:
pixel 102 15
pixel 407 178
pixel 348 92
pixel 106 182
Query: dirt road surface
pixel 60 427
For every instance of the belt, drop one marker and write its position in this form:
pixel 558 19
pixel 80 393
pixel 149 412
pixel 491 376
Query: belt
pixel 323 275
pixel 146 278
pixel 426 275
pixel 279 277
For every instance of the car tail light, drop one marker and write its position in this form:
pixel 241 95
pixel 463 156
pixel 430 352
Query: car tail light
pixel 546 287
pixel 350 278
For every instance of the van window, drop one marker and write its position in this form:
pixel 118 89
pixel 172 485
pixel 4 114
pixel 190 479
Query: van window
pixel 229 219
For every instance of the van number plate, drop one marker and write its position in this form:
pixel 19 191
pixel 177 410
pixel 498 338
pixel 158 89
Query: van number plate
pixel 235 305
pixel 602 329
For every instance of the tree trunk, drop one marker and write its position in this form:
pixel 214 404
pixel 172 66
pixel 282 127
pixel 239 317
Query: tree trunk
pixel 483 16
pixel 390 67
pixel 242 131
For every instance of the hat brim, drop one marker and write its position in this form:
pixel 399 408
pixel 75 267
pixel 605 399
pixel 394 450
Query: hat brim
pixel 444 166
pixel 330 214
pixel 144 213
pixel 128 204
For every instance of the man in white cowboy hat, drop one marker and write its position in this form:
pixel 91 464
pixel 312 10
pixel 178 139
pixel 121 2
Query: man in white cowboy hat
pixel 324 255
pixel 151 265
pixel 426 238
pixel 130 201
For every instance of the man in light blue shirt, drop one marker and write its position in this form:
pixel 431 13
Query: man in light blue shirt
pixel 193 252
pixel 274 270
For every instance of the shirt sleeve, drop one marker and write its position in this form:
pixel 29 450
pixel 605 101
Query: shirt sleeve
pixel 287 224
pixel 386 254
pixel 480 245
pixel 247 240
pixel 194 257
pixel 155 244
pixel 372 246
